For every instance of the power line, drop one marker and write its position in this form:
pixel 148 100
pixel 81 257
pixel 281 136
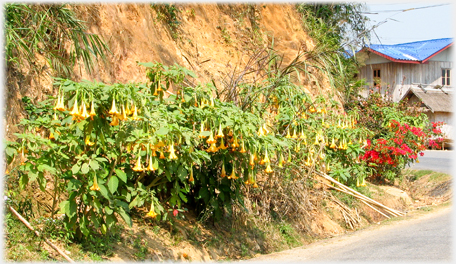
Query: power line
pixel 402 10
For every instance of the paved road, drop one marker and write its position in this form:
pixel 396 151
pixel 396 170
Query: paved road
pixel 426 238
pixel 435 160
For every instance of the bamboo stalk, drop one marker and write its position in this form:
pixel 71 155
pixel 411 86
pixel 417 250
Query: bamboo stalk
pixel 27 224
pixel 375 209
pixel 392 211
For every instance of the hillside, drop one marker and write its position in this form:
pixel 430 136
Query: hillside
pixel 216 41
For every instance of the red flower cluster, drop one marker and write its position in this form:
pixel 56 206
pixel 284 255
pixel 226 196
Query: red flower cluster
pixel 399 146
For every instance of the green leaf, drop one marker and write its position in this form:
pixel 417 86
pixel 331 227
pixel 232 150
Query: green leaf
pixel 162 131
pixel 182 173
pixel 94 165
pixel 108 210
pixel 125 216
pixel 85 168
pixel 121 174
pixel 110 220
pixel 113 184
pixel 23 181
pixel 103 191
pixel 75 169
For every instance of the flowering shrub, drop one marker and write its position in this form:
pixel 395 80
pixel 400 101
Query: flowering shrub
pixel 400 146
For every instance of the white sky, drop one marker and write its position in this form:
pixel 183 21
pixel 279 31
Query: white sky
pixel 412 25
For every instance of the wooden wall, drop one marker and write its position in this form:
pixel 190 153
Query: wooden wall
pixel 397 78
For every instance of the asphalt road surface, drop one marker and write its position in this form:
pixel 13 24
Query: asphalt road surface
pixel 426 238
pixel 435 160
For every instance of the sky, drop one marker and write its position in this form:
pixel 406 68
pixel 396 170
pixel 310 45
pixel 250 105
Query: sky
pixel 428 20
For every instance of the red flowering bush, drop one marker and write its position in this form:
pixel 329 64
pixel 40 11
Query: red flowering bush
pixel 388 154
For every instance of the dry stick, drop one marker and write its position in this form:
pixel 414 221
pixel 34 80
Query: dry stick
pixel 392 211
pixel 26 223
pixel 375 209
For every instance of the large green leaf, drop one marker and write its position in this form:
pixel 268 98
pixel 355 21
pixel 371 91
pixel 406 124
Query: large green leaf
pixel 113 184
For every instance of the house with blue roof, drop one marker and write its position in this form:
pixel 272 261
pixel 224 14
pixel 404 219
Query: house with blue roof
pixel 394 69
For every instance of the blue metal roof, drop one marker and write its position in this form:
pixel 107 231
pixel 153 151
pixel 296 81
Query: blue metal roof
pixel 413 51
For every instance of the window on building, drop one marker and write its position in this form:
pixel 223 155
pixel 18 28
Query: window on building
pixel 376 77
pixel 445 77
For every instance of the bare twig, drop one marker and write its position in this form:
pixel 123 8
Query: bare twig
pixel 27 224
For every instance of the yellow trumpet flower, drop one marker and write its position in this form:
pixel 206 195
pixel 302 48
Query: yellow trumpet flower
pixel 92 111
pixel 288 134
pixel 242 148
pixel 95 186
pixel 201 131
pixel 316 141
pixel 294 134
pixel 302 135
pixel 151 213
pixel 211 139
pixel 138 167
pixel 75 111
pixel 260 131
pixel 213 148
pixel 333 145
pixel 252 160
pixel 233 175
pixel 115 121
pixel 172 155
pixel 307 163
pixel 268 169
pixel 113 111
pixel 328 168
pixel 88 142
pixel 265 129
pixel 84 113
pixel 191 179
pixel 220 132
pixel 265 159
pixel 162 155
pixel 222 144
pixel 135 114
pixel 59 106
pixel 150 166
pixel 223 173
pixel 51 136
pixel 255 185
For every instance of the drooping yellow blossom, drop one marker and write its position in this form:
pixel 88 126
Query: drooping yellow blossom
pixel 294 134
pixel 115 121
pixel 281 161
pixel 322 156
pixel 255 185
pixel 363 183
pixel 150 166
pixel 92 111
pixel 59 106
pixel 222 144
pixel 162 155
pixel 260 131
pixel 151 213
pixel 84 113
pixel 135 116
pixel 307 163
pixel 220 132
pixel 328 168
pixel 316 141
pixel 211 139
pixel 51 136
pixel 95 186
pixel 88 142
pixel 75 111
pixel 23 158
pixel 191 179
pixel 265 129
pixel 172 155
pixel 233 175
pixel 113 111
pixel 252 160
pixel 333 145
pixel 213 148
pixel 223 173
pixel 288 134
pixel 302 135
pixel 242 148
pixel 201 131
pixel 138 167
pixel 268 169
pixel 265 159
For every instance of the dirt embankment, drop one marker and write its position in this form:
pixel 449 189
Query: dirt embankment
pixel 213 40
